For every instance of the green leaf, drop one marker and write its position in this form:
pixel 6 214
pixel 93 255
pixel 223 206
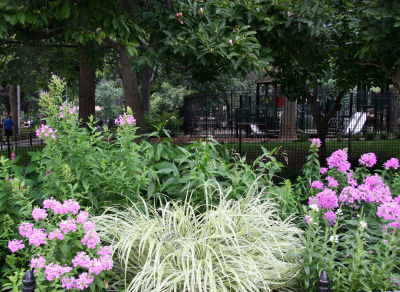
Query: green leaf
pixel 21 18
pixel 65 9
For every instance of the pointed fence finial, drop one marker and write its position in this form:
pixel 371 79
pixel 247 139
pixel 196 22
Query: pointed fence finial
pixel 28 282
pixel 324 282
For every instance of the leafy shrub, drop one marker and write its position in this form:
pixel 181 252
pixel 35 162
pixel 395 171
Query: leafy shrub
pixel 304 137
pixel 239 245
pixel 356 137
pixel 384 135
pixel 63 244
pixel 370 136
pixel 397 134
pixel 169 121
pixel 352 226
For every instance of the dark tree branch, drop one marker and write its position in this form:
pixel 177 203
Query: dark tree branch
pixel 42 35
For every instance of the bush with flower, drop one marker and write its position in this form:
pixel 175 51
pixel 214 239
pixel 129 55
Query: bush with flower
pixel 65 247
pixel 352 224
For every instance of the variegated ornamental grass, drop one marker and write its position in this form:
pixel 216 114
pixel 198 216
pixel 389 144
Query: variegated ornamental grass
pixel 234 245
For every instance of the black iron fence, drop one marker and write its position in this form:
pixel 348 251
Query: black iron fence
pixel 248 120
pixel 20 143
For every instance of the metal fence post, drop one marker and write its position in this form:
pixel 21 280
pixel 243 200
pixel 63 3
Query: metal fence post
pixel 28 283
pixel 8 146
pixel 323 282
pixel 350 115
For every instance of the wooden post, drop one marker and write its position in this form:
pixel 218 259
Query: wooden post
pixel 28 283
pixel 324 282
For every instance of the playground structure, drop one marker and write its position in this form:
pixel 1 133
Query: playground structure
pixel 258 113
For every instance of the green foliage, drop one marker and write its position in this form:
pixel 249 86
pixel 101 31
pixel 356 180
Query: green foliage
pixel 370 135
pixel 397 134
pixel 238 245
pixel 167 98
pixel 358 249
pixel 98 168
pixel 304 137
pixel 384 135
pixel 169 121
pixel 356 137
pixel 108 96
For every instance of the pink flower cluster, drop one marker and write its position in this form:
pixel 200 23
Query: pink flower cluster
pixel 368 159
pixel 39 213
pixel 45 131
pixel 338 160
pixel 372 190
pixel 316 142
pixel 15 245
pixel 317 185
pixel 68 109
pixel 54 271
pixel 392 162
pixel 58 208
pixel 125 120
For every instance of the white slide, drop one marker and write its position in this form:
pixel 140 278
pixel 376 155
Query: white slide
pixel 255 129
pixel 356 123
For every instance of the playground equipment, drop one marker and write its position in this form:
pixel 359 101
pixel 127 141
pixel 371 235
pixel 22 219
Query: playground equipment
pixel 356 123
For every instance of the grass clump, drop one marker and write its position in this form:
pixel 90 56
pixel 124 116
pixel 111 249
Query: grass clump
pixel 234 245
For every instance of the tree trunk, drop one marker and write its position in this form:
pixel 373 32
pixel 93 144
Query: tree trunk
pixel 288 124
pixel 131 88
pixel 394 107
pixel 87 89
pixel 12 93
pixel 145 90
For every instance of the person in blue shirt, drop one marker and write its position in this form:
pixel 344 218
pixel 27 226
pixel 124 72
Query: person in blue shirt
pixel 8 126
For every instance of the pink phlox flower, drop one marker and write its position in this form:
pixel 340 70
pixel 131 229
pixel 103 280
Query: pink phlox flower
pixel 125 119
pixel 331 217
pixel 82 217
pixel 45 131
pixel 82 259
pixel 54 205
pixel 323 170
pixel 25 229
pixel 350 180
pixel 327 199
pixel 332 182
pixel 69 283
pixel 84 281
pixel 39 213
pixel 91 239
pixel 374 190
pixel 389 211
pixel 15 245
pixel 68 225
pixel 350 195
pixel 38 237
pixel 38 262
pixel 368 159
pixel 71 206
pixel 308 218
pixel 88 225
pixel 104 263
pixel 392 162
pixel 55 271
pixel 61 115
pixel 316 142
pixel 12 156
pixel 338 159
pixel 56 233
pixel 317 185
